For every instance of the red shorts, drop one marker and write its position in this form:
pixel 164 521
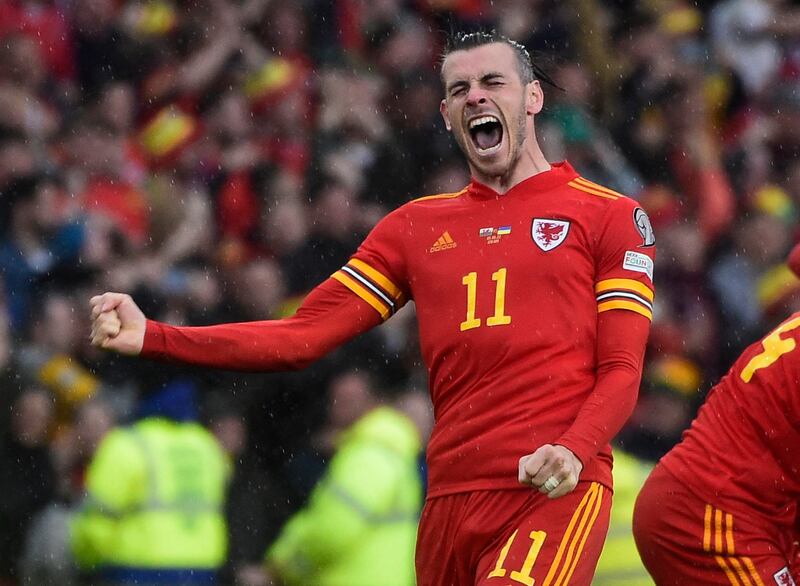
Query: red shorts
pixel 684 540
pixel 511 537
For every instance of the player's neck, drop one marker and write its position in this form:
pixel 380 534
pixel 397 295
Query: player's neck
pixel 530 162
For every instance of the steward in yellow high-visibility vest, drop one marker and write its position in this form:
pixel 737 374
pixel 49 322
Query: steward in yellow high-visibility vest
pixel 153 512
pixel 359 527
pixel 620 564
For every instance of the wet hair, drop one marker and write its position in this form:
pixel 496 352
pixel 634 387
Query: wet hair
pixel 528 70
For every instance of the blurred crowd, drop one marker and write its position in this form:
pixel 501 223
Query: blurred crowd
pixel 218 158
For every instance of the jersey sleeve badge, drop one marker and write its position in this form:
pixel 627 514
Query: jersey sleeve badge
pixel 638 262
pixel 642 223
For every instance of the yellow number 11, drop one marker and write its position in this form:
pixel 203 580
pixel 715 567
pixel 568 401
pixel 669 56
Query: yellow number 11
pixel 523 576
pixel 499 318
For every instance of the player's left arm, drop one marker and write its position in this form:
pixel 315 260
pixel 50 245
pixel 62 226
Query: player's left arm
pixel 622 336
pixel 625 253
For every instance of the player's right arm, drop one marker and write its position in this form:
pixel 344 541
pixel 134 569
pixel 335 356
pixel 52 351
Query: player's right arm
pixel 356 298
pixel 330 316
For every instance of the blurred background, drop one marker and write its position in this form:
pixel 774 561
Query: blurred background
pixel 218 158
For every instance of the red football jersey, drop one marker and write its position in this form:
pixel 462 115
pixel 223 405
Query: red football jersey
pixel 507 291
pixel 744 445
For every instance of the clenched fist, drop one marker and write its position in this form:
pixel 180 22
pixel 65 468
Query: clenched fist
pixel 553 469
pixel 117 323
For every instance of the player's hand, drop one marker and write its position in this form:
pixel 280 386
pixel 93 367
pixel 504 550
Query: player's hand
pixel 554 470
pixel 117 323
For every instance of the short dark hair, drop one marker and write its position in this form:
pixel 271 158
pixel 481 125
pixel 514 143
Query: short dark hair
pixel 528 70
pixel 462 41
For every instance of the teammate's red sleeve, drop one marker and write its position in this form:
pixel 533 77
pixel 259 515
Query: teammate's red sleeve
pixel 330 316
pixel 621 340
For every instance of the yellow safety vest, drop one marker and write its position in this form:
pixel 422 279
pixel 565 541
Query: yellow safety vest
pixel 154 500
pixel 359 527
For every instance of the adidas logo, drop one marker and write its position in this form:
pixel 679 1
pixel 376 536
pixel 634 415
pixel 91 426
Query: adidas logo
pixel 444 242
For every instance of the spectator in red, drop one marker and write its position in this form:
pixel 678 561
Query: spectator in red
pixel 45 22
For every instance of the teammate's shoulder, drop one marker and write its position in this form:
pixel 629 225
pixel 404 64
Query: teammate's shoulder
pixel 438 198
pixel 596 192
pixel 789 327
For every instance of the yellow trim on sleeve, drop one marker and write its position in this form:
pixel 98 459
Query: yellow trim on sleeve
pixel 622 304
pixel 441 195
pixel 365 294
pixel 590 191
pixel 585 182
pixel 377 276
pixel 637 286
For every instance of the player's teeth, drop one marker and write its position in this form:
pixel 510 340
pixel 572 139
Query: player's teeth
pixel 482 120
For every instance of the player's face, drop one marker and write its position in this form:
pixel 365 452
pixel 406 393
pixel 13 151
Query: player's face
pixel 488 108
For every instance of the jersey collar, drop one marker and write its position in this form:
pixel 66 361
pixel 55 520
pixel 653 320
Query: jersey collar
pixel 558 174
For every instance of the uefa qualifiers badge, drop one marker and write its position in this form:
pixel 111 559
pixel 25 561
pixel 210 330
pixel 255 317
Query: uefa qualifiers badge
pixel 642 223
pixel 548 234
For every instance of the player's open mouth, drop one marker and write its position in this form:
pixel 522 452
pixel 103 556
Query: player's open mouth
pixel 487 133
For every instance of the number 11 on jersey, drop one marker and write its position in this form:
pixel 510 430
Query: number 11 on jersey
pixel 523 575
pixel 499 318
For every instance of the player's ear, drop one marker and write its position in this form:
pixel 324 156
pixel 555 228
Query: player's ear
pixel 534 97
pixel 445 116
